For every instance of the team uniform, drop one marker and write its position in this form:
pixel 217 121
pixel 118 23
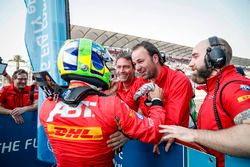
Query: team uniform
pixel 10 98
pixel 78 135
pixel 235 99
pixel 122 93
pixel 177 95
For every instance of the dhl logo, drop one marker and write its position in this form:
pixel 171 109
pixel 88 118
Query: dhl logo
pixel 243 98
pixel 74 132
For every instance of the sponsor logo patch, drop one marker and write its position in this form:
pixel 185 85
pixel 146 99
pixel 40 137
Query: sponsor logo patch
pixel 74 132
pixel 139 116
pixel 244 87
pixel 243 98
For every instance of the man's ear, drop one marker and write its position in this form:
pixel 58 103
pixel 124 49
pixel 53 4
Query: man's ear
pixel 155 58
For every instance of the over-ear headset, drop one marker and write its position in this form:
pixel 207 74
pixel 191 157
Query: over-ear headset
pixel 215 56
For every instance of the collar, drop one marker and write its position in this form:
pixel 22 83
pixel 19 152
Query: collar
pixel 24 90
pixel 162 75
pixel 211 82
pixel 121 87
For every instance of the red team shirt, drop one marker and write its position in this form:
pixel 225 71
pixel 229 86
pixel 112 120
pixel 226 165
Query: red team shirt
pixel 122 93
pixel 235 98
pixel 10 98
pixel 177 95
pixel 78 135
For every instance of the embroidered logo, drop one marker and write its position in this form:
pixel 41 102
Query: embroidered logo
pixel 243 98
pixel 244 87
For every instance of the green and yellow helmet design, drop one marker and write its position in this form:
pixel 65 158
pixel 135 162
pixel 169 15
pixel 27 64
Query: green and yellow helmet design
pixel 84 60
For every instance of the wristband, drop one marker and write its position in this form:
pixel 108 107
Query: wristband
pixel 156 102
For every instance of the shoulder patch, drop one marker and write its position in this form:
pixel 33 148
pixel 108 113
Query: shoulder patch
pixel 139 116
pixel 245 87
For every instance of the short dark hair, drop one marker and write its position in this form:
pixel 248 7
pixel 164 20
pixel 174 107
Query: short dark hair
pixel 150 48
pixel 126 56
pixel 18 72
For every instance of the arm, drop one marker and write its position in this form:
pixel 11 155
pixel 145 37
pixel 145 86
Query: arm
pixel 233 141
pixel 4 111
pixel 137 126
pixel 178 101
pixel 21 110
pixel 8 77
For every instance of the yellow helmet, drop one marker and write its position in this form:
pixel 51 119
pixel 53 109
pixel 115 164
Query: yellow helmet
pixel 84 60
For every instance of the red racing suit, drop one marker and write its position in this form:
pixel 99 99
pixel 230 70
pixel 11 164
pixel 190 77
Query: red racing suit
pixel 235 99
pixel 10 98
pixel 123 93
pixel 177 90
pixel 78 135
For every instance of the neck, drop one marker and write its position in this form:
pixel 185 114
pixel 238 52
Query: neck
pixel 127 83
pixel 158 71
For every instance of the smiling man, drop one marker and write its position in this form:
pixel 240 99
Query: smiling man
pixel 176 86
pixel 15 99
pixel 125 74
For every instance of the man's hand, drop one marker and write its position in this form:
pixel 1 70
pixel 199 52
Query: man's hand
pixel 177 132
pixel 167 146
pixel 18 111
pixel 117 140
pixel 113 87
pixel 156 93
pixel 18 119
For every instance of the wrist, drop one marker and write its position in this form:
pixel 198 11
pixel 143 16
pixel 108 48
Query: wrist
pixel 156 101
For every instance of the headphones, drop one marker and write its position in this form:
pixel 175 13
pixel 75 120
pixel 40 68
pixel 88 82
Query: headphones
pixel 215 56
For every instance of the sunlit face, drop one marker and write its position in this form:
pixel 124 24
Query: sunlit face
pixel 197 64
pixel 124 70
pixel 144 64
pixel 21 81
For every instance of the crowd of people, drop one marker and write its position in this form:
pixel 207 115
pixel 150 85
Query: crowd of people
pixel 152 107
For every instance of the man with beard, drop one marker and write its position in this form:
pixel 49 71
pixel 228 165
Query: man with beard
pixel 15 98
pixel 224 117
pixel 176 87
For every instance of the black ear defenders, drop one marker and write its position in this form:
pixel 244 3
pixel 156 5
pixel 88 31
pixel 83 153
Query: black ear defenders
pixel 215 56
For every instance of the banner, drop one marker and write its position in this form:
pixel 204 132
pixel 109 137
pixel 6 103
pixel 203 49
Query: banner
pixel 47 27
pixel 18 142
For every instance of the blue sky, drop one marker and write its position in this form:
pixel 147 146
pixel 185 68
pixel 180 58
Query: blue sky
pixel 184 22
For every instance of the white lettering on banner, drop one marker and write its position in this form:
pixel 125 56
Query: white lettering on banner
pixel 30 142
pixel 116 164
pixel 30 7
pixel 40 24
pixel 10 146
pixel 18 145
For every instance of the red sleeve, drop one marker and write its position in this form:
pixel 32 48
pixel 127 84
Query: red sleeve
pixel 129 100
pixel 236 98
pixel 137 126
pixel 177 105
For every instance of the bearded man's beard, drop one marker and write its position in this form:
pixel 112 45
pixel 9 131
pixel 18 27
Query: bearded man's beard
pixel 201 76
